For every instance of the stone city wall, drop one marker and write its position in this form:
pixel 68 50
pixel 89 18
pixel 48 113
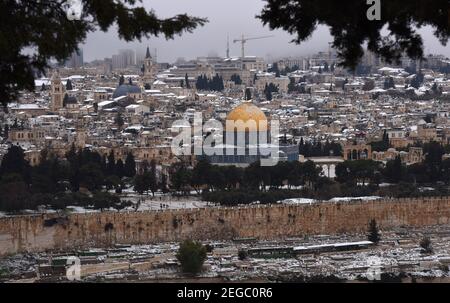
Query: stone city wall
pixel 33 233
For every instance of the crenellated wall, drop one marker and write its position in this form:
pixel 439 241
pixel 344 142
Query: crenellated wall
pixel 47 232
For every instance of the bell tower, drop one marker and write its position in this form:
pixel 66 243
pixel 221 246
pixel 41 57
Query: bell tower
pixel 57 92
pixel 148 69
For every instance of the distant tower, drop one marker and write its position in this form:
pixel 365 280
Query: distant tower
pixel 57 94
pixel 148 69
pixel 81 135
pixel 81 138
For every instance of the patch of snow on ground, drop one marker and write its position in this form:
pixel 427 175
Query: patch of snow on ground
pixel 298 201
pixel 344 199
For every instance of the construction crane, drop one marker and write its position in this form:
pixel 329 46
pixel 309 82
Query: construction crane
pixel 244 40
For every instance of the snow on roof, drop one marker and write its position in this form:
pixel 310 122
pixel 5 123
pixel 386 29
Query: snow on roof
pixel 103 103
pixel 159 82
pixel 120 98
pixel 377 90
pixel 131 106
pixel 26 106
pixel 334 245
pixel 76 77
pixel 39 82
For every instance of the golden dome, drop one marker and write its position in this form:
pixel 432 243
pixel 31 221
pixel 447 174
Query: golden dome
pixel 247 113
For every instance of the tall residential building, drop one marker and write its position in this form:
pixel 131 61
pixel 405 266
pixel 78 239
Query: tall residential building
pixel 76 60
pixel 140 57
pixel 118 62
pixel 129 57
pixel 124 59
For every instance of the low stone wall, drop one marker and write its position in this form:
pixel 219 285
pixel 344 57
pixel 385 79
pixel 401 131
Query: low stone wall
pixel 51 232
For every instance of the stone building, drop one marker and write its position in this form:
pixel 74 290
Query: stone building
pixel 248 129
pixel 414 155
pixel 30 135
pixel 57 92
pixel 357 152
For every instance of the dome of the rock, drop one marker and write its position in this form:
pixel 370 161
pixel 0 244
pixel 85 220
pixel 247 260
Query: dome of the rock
pixel 247 112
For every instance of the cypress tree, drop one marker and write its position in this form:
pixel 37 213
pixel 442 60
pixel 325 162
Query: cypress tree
pixel 69 85
pixel 130 166
pixel 186 80
pixel 111 166
pixel 373 233
pixel 248 94
pixel 120 169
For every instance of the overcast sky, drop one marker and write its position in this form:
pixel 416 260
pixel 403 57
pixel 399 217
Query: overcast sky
pixel 233 17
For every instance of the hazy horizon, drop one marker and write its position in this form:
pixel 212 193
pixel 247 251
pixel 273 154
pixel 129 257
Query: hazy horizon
pixel 232 18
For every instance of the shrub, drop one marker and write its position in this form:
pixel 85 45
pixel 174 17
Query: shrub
pixel 191 255
pixel 374 234
pixel 425 243
pixel 242 254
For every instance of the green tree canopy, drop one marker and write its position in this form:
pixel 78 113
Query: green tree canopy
pixel 373 232
pixel 130 165
pixel 14 162
pixel 351 28
pixel 69 85
pixel 36 25
pixel 191 256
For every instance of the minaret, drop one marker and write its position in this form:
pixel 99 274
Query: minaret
pixel 57 93
pixel 148 70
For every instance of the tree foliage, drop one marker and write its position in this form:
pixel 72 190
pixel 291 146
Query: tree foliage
pixel 351 28
pixel 191 255
pixel 214 84
pixel 248 94
pixel 373 232
pixel 269 89
pixel 426 246
pixel 236 79
pixel 43 28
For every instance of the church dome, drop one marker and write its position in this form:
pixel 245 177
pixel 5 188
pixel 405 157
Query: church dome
pixel 125 89
pixel 248 112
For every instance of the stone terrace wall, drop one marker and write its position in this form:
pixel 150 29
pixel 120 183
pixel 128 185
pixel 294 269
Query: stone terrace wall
pixel 52 232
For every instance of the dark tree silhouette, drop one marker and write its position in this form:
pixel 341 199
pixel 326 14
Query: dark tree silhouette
pixel 186 80
pixel 43 26
pixel 69 85
pixel 373 232
pixel 236 79
pixel 130 165
pixel 14 163
pixel 140 184
pixel 426 246
pixel 191 255
pixel 248 94
pixel 351 28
